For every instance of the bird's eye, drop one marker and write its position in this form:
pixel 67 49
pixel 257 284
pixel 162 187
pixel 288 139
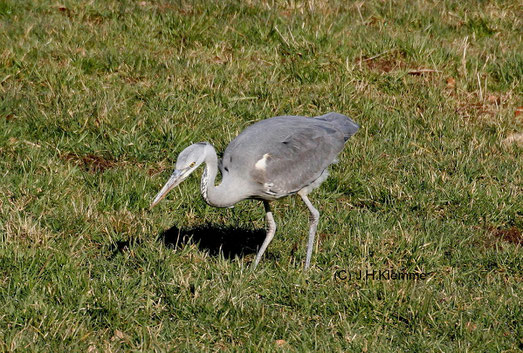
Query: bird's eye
pixel 192 164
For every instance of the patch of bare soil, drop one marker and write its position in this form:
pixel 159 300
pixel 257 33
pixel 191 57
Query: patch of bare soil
pixel 392 61
pixel 90 162
pixel 384 64
pixel 511 235
pixel 496 235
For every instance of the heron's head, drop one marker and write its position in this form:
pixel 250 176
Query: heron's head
pixel 188 160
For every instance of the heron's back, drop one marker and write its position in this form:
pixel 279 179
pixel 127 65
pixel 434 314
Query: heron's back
pixel 342 122
pixel 279 156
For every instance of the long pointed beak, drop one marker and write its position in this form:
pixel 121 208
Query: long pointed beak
pixel 176 178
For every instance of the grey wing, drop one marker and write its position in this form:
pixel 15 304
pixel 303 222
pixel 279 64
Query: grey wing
pixel 297 160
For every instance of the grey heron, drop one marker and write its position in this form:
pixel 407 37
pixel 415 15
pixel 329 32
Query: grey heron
pixel 270 159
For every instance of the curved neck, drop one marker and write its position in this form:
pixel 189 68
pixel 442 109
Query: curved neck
pixel 217 196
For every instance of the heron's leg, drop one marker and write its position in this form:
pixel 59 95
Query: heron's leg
pixel 270 232
pixel 315 216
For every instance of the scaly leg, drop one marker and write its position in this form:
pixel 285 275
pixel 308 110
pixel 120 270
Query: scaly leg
pixel 270 232
pixel 315 216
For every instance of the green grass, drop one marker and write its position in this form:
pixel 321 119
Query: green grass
pixel 97 98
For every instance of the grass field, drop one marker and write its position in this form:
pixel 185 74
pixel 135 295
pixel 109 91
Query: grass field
pixel 97 98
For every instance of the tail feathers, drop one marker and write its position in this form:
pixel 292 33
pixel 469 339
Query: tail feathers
pixel 348 126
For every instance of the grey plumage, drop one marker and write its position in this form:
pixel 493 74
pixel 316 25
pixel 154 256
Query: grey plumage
pixel 270 159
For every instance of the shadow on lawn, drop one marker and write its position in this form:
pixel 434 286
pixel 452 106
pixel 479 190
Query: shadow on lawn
pixel 231 241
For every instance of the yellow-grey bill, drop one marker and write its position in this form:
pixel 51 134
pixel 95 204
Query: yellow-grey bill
pixel 176 178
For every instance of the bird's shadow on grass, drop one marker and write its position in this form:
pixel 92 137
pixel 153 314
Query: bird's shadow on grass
pixel 215 239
